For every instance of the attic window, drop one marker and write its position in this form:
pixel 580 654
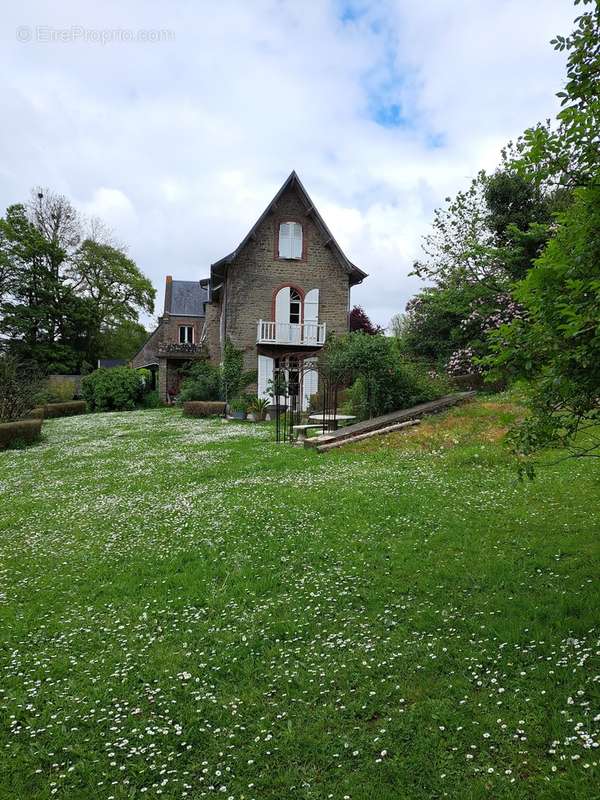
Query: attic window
pixel 186 334
pixel 290 240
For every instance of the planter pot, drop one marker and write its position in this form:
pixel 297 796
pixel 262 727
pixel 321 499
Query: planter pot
pixel 259 416
pixel 238 414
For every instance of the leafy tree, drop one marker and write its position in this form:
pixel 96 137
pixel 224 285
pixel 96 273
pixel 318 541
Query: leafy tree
pixel 60 291
pixel 481 242
pixel 567 155
pixel 359 321
pixel 557 346
pixel 123 340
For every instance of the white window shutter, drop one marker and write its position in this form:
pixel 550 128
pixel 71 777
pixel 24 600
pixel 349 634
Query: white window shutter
pixel 311 306
pixel 311 316
pixel 285 240
pixel 310 386
pixel 265 374
pixel 282 305
pixel 296 240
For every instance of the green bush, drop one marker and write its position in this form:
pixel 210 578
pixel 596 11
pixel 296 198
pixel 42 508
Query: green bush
pixel 23 431
pixel 203 382
pixel 61 390
pixel 380 379
pixel 117 389
pixel 193 408
pixel 151 400
pixel 64 409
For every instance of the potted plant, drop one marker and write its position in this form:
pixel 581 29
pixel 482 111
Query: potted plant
pixel 238 407
pixel 258 407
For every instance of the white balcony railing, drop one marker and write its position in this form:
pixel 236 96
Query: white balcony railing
pixel 305 333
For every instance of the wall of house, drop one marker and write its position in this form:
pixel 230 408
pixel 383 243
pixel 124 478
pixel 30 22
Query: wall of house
pixel 257 272
pixel 149 352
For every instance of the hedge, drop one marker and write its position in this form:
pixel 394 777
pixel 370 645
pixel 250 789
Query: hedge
pixel 65 409
pixel 38 412
pixel 203 408
pixel 22 430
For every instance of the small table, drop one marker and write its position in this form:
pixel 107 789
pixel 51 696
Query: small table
pixel 330 419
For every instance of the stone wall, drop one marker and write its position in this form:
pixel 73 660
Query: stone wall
pixel 257 273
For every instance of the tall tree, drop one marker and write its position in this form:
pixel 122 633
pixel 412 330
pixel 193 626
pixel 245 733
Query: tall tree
pixel 60 289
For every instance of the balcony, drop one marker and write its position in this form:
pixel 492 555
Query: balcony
pixel 305 334
pixel 176 350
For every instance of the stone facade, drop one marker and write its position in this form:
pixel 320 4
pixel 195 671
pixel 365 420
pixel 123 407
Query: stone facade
pixel 243 286
pixel 257 273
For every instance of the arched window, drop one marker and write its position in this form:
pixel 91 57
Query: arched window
pixel 295 306
pixel 290 240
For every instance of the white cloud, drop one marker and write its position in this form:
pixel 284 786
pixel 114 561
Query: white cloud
pixel 179 145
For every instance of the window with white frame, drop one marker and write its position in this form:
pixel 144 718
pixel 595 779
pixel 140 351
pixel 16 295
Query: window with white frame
pixel 295 306
pixel 186 334
pixel 290 240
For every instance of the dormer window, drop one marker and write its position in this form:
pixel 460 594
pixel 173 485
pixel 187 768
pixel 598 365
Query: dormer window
pixel 186 334
pixel 290 240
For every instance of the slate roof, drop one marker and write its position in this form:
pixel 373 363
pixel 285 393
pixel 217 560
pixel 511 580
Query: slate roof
pixel 187 298
pixel 356 274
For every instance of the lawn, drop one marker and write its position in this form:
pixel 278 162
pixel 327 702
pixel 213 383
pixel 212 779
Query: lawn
pixel 190 610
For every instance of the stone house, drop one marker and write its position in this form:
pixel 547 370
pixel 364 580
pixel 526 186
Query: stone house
pixel 277 297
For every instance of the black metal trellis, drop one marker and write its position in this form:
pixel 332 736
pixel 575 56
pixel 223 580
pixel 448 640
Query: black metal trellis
pixel 287 391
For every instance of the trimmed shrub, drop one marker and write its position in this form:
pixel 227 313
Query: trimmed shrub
pixel 52 410
pixel 117 389
pixel 21 431
pixel 39 412
pixel 198 408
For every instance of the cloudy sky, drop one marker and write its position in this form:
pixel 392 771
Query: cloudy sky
pixel 177 122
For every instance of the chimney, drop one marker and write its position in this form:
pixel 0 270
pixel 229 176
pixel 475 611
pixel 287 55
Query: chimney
pixel 168 294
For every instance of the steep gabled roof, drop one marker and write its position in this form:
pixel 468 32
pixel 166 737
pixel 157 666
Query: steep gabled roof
pixel 356 274
pixel 185 298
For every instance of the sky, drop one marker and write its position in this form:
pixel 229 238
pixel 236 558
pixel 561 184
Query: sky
pixel 177 122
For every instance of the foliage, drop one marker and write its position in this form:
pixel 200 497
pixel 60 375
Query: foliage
pixel 240 403
pixel 117 389
pixel 233 362
pixel 151 399
pixel 64 287
pixel 203 382
pixel 61 390
pixel 359 321
pixel 381 379
pixel 122 340
pixel 258 407
pixel 557 346
pixel 481 242
pixel 567 155
pixel 19 387
pixel 19 432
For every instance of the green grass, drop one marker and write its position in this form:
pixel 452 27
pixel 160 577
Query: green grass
pixel 190 610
